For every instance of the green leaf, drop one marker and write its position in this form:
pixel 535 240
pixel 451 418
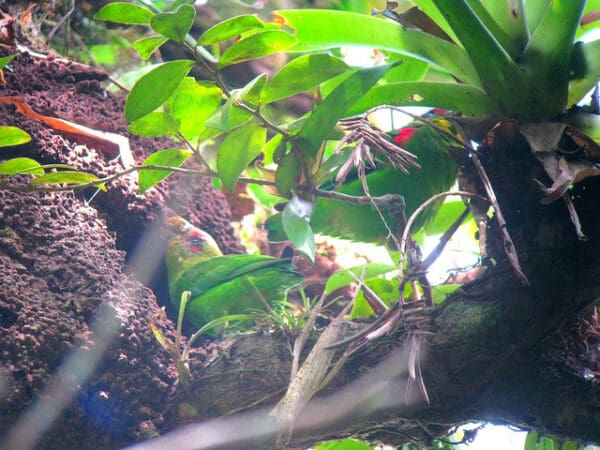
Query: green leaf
pixel 467 99
pixel 66 177
pixel 120 12
pixel 344 444
pixel 155 124
pixel 289 171
pixel 192 104
pixel 251 93
pixel 10 136
pixel 510 17
pixel 174 25
pixel 343 278
pixel 231 28
pixel 442 291
pixel 296 227
pixel 534 441
pixel 445 217
pixel 534 12
pixel 170 158
pixel 257 46
pixel 21 165
pixel 302 74
pixel 326 115
pixel 547 58
pixel 269 149
pixel 146 46
pixel 500 76
pixel 386 290
pixel 151 90
pixel 238 148
pixel 228 116
pixel 5 60
pixel 318 30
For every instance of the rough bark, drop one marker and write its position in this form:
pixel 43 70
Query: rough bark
pixel 499 351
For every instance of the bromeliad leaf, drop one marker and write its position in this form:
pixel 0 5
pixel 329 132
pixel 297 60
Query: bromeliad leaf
pixel 302 74
pixel 154 88
pixel 175 25
pixel 146 46
pixel 294 220
pixel 128 13
pixel 13 136
pixel 239 147
pixel 169 158
pixel 318 30
pixel 468 99
pixel 257 46
pixel 17 166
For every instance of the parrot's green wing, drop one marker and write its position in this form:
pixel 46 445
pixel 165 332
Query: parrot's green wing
pixel 233 284
pixel 362 223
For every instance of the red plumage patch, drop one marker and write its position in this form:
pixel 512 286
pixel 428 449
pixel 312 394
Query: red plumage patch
pixel 404 135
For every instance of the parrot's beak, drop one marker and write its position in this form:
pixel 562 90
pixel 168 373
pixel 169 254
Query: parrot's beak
pixel 179 224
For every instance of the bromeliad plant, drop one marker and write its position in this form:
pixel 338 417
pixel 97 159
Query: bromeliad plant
pixel 517 60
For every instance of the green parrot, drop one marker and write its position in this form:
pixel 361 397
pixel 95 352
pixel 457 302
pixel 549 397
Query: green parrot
pixel 437 173
pixel 222 284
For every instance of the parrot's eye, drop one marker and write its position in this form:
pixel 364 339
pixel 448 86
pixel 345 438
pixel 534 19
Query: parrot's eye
pixel 195 241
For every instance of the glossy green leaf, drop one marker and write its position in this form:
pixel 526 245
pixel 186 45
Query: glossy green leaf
pixel 318 30
pixel 326 115
pixel 251 93
pixel 155 124
pixel 534 12
pixel 5 60
pixel 547 58
pixel 296 226
pixel 13 136
pixel 146 46
pixel 467 99
pixel 238 148
pixel 257 46
pixel 500 76
pixel 231 28
pixel 287 176
pixel 174 25
pixel 368 271
pixel 302 74
pixel 511 17
pixel 20 165
pixel 269 149
pixel 192 104
pixel 409 69
pixel 170 158
pixel 120 12
pixel 66 177
pixel 228 116
pixel 386 290
pixel 507 42
pixel 154 88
